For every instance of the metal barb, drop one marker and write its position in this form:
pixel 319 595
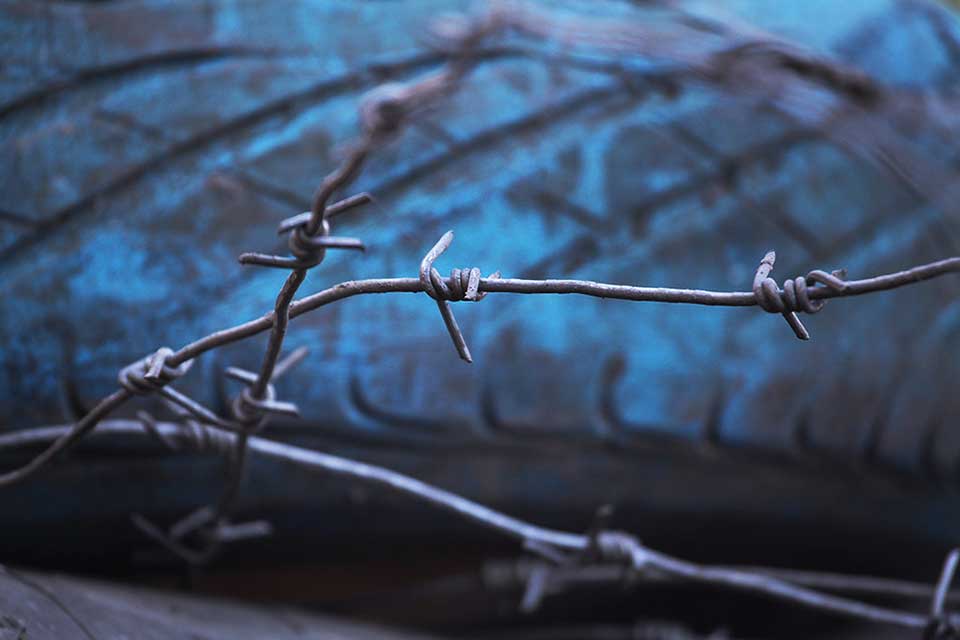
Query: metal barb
pixel 249 409
pixel 536 589
pixel 941 627
pixel 794 297
pixel 772 583
pixel 309 247
pixel 337 208
pixel 463 284
pixel 603 547
pixel 207 533
pixel 152 373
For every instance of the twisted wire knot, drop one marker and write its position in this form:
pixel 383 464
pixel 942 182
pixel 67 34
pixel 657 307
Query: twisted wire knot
pixel 152 373
pixel 252 411
pixel 603 546
pixel 609 546
pixel 310 248
pixel 307 247
pixel 464 284
pixel 617 547
pixel 384 109
pixel 794 297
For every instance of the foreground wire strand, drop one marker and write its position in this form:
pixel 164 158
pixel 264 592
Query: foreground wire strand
pixel 638 557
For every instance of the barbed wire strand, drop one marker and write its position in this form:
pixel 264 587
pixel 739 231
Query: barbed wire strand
pixel 636 556
pixel 502 574
pixel 353 288
pixel 941 624
pixel 167 433
pixel 382 114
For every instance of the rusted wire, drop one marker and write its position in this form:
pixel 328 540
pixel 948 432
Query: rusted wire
pixel 383 113
pixel 152 373
pixel 249 408
pixel 625 549
pixel 463 284
pixel 513 574
pixel 494 284
pixel 287 308
pixel 941 625
pixel 794 296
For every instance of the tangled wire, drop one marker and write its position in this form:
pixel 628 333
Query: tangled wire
pixel 198 536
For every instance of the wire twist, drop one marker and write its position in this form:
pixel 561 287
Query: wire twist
pixel 310 248
pixel 384 109
pixel 794 297
pixel 387 108
pixel 463 284
pixel 603 546
pixel 199 428
pixel 201 524
pixel 617 547
pixel 152 373
pixel 253 412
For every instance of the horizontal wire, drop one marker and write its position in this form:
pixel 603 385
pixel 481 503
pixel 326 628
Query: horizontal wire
pixel 504 574
pixel 754 580
pixel 351 288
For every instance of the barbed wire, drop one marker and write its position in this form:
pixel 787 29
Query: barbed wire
pixel 558 578
pixel 571 551
pixel 197 537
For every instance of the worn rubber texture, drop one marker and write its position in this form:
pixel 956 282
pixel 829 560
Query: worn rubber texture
pixel 147 144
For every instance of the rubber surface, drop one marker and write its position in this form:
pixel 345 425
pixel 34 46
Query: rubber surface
pixel 148 144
